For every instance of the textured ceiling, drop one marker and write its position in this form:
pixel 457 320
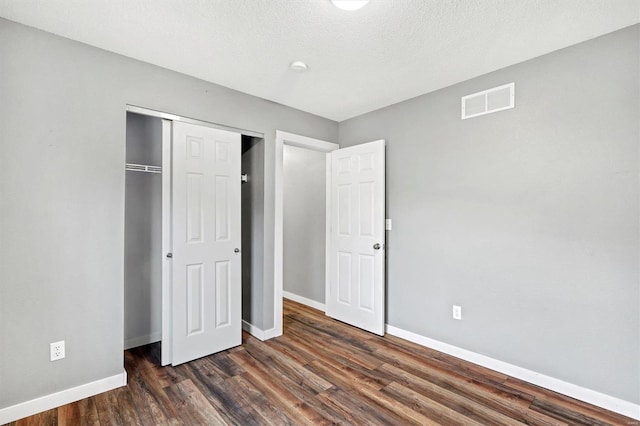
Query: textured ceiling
pixel 389 51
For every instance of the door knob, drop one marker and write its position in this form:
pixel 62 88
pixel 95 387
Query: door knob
pixel 169 255
pixel 376 246
pixel 236 250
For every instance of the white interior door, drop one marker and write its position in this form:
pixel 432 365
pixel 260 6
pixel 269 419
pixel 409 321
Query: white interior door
pixel 356 260
pixel 206 262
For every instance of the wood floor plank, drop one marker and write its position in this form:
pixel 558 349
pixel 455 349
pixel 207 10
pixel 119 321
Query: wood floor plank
pixel 223 365
pixel 285 345
pixel 46 418
pixel 263 409
pixel 348 380
pixel 560 412
pixel 330 327
pixel 427 407
pixel 433 354
pixel 461 367
pixel 165 376
pixel 147 389
pixel 453 377
pixel 206 370
pixel 116 408
pixel 319 321
pixel 81 412
pixel 285 365
pixel 314 319
pixel 470 408
pixel 571 404
pixel 296 407
pixel 480 394
pixel 336 346
pixel 375 378
pixel 127 408
pixel 322 371
pixel 192 406
pixel 151 402
pixel 358 411
pixel 218 393
pixel 319 348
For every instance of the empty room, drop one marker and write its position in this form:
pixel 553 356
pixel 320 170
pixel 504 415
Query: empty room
pixel 358 212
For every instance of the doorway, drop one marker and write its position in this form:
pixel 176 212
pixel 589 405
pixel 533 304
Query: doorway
pixel 354 231
pixel 305 150
pixel 304 230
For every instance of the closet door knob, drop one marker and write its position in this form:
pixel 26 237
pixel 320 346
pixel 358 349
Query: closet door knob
pixel 236 250
pixel 169 255
pixel 376 246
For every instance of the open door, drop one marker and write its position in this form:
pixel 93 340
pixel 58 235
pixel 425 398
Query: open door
pixel 205 260
pixel 356 260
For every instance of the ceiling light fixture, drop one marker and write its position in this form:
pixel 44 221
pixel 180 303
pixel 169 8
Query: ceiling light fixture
pixel 298 66
pixel 349 4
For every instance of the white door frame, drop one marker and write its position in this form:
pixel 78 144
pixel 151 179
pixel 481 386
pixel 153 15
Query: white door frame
pixel 282 139
pixel 166 351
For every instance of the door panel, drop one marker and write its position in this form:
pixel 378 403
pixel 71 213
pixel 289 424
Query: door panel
pixel 356 267
pixel 206 277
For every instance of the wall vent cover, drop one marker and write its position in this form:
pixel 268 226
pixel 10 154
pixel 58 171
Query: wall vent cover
pixel 488 101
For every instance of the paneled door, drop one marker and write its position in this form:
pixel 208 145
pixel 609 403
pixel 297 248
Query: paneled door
pixel 356 260
pixel 206 260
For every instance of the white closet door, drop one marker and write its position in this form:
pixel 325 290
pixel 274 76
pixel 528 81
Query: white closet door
pixel 356 293
pixel 206 276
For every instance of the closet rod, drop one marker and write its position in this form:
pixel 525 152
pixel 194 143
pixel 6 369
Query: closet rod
pixel 142 168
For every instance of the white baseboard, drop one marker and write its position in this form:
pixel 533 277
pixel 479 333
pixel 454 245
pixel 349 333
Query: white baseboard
pixel 259 333
pixel 574 391
pixel 305 301
pixel 271 333
pixel 47 402
pixel 134 342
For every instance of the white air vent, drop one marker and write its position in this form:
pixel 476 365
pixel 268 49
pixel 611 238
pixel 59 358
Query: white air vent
pixel 488 101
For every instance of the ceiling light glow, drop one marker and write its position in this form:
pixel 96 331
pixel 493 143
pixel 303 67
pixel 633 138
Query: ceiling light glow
pixel 349 4
pixel 298 66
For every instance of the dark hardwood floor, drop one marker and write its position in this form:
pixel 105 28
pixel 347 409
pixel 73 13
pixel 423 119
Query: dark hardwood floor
pixel 322 372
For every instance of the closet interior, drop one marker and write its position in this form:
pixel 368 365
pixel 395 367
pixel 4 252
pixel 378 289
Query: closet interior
pixel 253 230
pixel 143 250
pixel 143 231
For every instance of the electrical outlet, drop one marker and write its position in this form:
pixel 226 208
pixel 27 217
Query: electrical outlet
pixel 387 224
pixel 56 350
pixel 457 312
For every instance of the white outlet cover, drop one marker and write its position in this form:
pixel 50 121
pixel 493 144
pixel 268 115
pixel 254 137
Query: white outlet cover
pixel 457 312
pixel 56 351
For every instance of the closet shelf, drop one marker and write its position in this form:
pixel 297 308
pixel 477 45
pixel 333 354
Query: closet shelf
pixel 142 168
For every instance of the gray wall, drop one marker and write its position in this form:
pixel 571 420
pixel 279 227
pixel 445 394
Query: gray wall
pixel 304 222
pixel 143 233
pixel 62 153
pixel 528 218
pixel 252 228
